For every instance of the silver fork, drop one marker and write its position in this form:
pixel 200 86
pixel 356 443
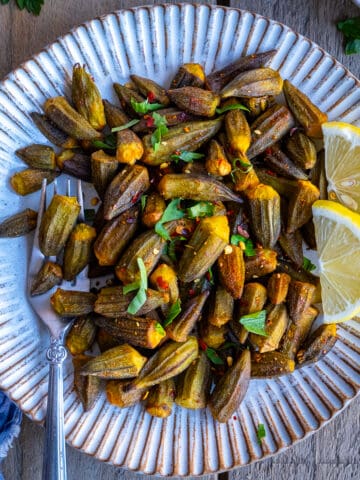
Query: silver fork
pixel 54 460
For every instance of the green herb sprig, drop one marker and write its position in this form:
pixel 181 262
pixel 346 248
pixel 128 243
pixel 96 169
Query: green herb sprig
pixel 161 128
pixel 236 106
pixel 173 312
pixel 200 209
pixel 255 322
pixel 126 126
pixel 261 432
pixel 108 143
pixel 213 356
pixel 172 212
pixel 308 265
pixel 186 156
pixel 140 298
pixel 145 106
pixel 249 246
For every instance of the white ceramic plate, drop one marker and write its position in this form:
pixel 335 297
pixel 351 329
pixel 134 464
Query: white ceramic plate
pixel 153 42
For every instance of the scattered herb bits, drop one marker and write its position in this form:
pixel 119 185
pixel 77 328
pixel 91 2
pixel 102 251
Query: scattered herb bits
pixel 198 230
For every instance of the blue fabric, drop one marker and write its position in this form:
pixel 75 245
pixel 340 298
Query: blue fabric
pixel 10 420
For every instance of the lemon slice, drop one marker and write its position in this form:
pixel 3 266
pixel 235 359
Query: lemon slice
pixel 337 232
pixel 342 162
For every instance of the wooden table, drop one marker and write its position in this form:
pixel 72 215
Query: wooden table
pixel 333 452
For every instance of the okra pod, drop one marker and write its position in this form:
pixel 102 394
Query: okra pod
pixel 117 363
pixel 72 303
pixel 159 402
pixel 19 224
pixel 193 387
pixel 231 388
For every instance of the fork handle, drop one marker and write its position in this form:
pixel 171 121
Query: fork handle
pixel 54 461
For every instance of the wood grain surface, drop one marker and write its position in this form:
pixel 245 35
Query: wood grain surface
pixel 333 452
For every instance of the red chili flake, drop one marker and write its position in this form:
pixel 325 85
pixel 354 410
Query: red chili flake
pixel 242 231
pixel 135 198
pixel 149 121
pixel 191 292
pixel 269 151
pixel 202 344
pixel 270 172
pixel 229 213
pixel 208 276
pixel 151 97
pixel 177 152
pixel 235 417
pixel 162 283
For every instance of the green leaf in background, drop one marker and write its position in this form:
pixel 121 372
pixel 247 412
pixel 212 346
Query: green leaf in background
pixel 255 322
pixel 351 30
pixel 32 6
pixel 350 27
pixel 352 46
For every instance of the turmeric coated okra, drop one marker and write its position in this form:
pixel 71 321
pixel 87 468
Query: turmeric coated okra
pixel 204 193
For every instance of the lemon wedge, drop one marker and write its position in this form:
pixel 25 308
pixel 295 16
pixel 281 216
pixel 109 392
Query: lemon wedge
pixel 342 162
pixel 337 232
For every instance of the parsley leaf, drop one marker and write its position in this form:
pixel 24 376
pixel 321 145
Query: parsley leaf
pixel 126 126
pixel 261 433
pixel 255 322
pixel 200 209
pixel 159 328
pixel 109 142
pixel 186 156
pixel 140 298
pixel 351 30
pixel 130 287
pixel 145 106
pixel 172 212
pixel 308 265
pixel 249 250
pixel 173 312
pixel 171 250
pixel 239 164
pixel 143 201
pixel 213 356
pixel 161 128
pixel 236 106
